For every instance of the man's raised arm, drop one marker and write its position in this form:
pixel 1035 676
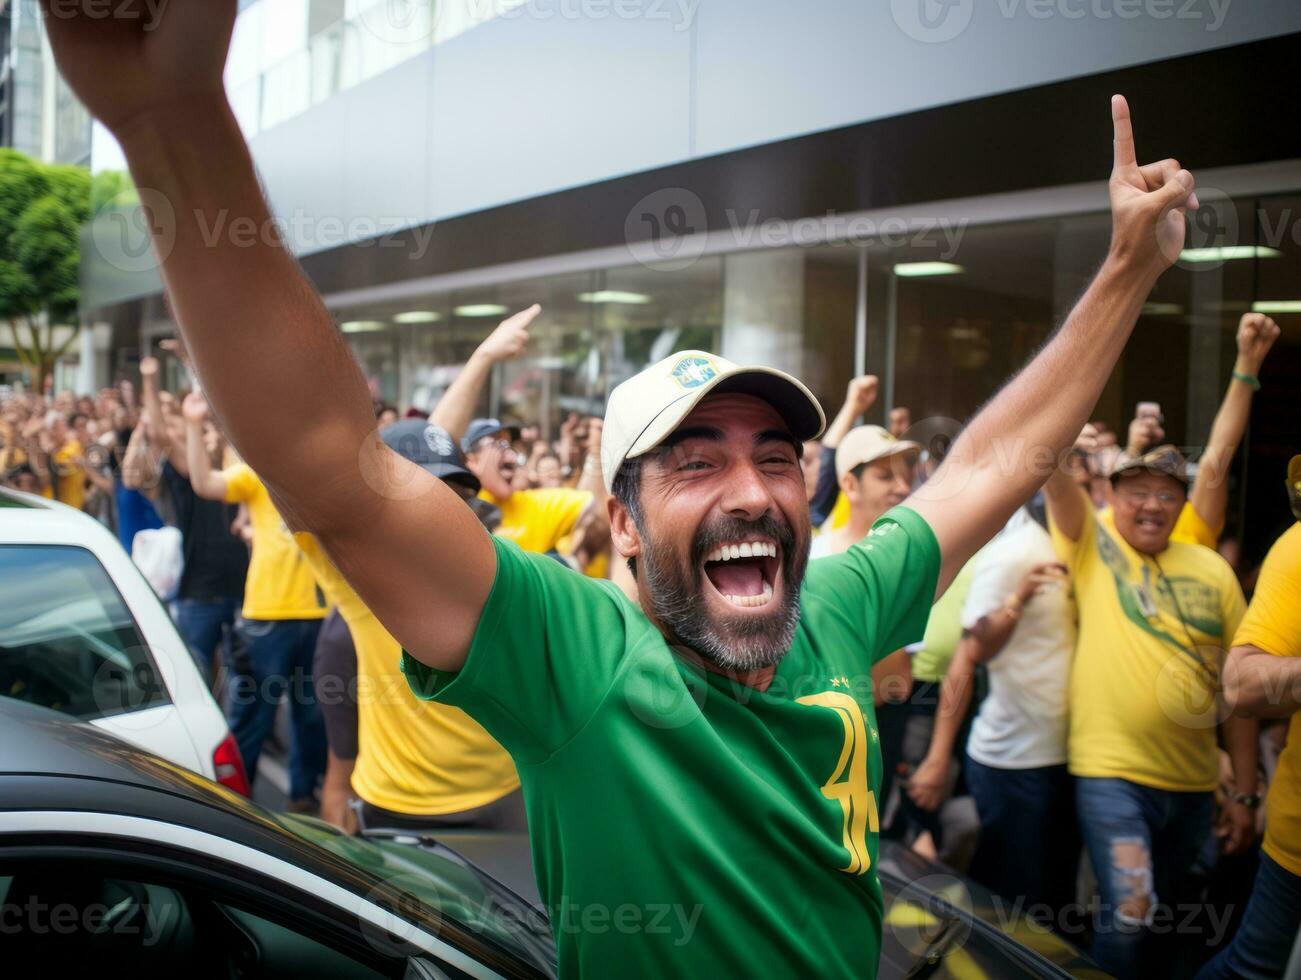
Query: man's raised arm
pixel 1013 444
pixel 279 376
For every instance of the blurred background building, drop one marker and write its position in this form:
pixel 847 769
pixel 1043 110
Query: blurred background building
pixel 911 188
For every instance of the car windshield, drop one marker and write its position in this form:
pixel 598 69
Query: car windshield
pixel 445 885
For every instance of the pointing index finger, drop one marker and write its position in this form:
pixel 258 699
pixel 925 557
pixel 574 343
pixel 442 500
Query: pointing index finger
pixel 1124 133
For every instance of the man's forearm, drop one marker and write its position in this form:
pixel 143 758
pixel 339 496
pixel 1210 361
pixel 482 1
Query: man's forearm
pixel 262 342
pixel 455 410
pixel 1210 493
pixel 203 481
pixel 955 699
pixel 1241 741
pixel 1261 685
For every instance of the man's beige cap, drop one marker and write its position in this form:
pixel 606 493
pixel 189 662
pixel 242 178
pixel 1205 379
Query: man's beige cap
pixel 647 407
pixel 867 444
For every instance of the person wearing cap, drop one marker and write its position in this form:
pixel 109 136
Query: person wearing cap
pixel 1263 679
pixel 825 500
pixel 539 519
pixel 698 765
pixel 418 765
pixel 874 472
pixel 278 624
pixel 1156 617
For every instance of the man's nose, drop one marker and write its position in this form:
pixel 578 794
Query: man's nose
pixel 746 494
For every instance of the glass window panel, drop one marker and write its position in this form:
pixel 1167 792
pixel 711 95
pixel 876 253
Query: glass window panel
pixel 67 639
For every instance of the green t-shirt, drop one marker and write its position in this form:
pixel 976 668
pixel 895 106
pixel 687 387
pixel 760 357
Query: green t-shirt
pixel 683 824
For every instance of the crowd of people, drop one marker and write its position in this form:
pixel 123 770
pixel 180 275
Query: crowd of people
pixel 1044 714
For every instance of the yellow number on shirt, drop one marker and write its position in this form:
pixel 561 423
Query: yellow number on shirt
pixel 848 782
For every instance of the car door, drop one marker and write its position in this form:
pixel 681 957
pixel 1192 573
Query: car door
pixel 159 899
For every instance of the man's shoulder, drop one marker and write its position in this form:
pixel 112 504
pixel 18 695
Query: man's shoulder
pixel 1198 561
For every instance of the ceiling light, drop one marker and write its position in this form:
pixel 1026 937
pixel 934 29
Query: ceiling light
pixel 912 270
pixel 1277 306
pixel 1162 309
pixel 361 326
pixel 416 316
pixel 613 296
pixel 480 309
pixel 1223 253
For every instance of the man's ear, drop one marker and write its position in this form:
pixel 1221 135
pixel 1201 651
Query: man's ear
pixel 623 529
pixel 849 486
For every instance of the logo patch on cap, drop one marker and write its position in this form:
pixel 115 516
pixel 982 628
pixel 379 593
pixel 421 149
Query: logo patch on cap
pixel 692 372
pixel 438 441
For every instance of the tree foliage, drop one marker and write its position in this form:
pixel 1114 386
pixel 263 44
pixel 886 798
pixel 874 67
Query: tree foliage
pixel 42 209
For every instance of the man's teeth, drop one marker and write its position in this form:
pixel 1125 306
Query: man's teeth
pixel 749 549
pixel 750 601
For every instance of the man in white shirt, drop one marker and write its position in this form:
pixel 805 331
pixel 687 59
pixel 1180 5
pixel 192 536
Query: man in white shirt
pixel 1018 620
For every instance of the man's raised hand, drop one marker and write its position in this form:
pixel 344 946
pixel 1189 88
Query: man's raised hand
pixel 126 61
pixel 511 336
pixel 1256 335
pixel 1148 203
pixel 195 407
pixel 861 393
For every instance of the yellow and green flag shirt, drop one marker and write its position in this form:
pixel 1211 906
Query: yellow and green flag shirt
pixel 1273 624
pixel 683 824
pixel 1153 631
pixel 280 584
pixel 415 757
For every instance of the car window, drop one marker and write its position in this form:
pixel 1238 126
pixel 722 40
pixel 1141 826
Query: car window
pixel 67 639
pixel 74 917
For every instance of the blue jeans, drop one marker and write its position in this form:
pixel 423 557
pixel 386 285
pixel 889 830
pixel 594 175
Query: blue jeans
pixel 1263 943
pixel 1029 846
pixel 205 623
pixel 274 658
pixel 1140 841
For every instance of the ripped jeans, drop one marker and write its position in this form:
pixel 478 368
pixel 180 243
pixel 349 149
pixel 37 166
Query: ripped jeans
pixel 1141 841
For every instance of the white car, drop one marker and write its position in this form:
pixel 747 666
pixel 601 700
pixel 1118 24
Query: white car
pixel 82 632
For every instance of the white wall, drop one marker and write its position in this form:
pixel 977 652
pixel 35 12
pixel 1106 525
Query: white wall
pixel 547 94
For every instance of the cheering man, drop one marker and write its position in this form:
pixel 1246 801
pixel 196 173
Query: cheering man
pixel 708 750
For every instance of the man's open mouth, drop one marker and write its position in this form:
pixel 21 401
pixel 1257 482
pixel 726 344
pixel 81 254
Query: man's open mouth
pixel 744 572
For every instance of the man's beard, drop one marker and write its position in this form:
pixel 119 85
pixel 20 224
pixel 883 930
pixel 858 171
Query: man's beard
pixel 678 600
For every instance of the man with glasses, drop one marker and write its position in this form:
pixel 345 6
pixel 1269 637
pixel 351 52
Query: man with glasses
pixel 1156 616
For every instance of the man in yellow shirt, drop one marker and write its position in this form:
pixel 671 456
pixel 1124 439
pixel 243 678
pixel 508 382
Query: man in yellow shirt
pixel 1155 618
pixel 277 626
pixel 536 520
pixel 419 764
pixel 1263 678
pixel 67 463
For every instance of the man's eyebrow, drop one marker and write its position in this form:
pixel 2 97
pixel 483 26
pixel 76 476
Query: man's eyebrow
pixel 779 435
pixel 706 432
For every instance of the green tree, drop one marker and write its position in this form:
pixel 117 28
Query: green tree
pixel 42 210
